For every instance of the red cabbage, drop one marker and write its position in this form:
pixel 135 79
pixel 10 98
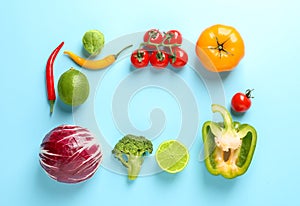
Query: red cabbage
pixel 70 154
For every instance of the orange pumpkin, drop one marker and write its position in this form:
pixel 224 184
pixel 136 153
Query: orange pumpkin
pixel 220 48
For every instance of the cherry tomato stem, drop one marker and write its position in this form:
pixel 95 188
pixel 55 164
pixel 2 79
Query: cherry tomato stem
pixel 159 59
pixel 248 93
pixel 140 58
pixel 154 39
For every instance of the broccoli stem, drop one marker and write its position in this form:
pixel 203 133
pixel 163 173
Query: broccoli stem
pixel 134 166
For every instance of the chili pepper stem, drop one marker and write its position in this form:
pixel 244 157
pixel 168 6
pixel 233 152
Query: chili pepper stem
pixel 117 54
pixel 51 102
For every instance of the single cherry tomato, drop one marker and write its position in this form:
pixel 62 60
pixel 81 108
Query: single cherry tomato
pixel 140 58
pixel 179 58
pixel 159 59
pixel 241 102
pixel 153 36
pixel 173 37
pixel 220 48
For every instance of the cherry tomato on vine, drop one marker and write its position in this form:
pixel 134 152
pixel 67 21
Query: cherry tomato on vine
pixel 173 37
pixel 179 58
pixel 153 36
pixel 140 58
pixel 159 59
pixel 241 102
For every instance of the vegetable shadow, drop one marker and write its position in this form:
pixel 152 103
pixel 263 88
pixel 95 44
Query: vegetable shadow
pixel 132 68
pixel 217 183
pixel 64 107
pixel 167 178
pixel 176 70
pixel 86 55
pixel 224 75
pixel 236 114
pixel 51 189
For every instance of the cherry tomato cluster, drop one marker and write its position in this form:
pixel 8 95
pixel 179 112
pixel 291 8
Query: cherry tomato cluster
pixel 160 49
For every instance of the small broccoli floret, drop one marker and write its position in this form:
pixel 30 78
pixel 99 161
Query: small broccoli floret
pixel 131 150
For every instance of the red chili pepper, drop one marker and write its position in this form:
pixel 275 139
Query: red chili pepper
pixel 50 76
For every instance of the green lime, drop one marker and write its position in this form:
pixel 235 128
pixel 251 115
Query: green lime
pixel 73 87
pixel 93 42
pixel 172 156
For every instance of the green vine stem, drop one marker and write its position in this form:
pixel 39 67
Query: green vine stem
pixel 158 45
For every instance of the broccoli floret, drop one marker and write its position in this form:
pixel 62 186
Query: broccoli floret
pixel 131 150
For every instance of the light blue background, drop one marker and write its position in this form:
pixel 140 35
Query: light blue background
pixel 30 30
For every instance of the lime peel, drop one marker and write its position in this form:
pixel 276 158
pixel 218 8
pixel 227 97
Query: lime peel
pixel 73 87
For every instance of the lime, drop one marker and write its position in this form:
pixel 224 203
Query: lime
pixel 172 156
pixel 73 87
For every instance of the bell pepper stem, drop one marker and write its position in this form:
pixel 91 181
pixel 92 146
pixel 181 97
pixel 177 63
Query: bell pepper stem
pixel 228 124
pixel 216 129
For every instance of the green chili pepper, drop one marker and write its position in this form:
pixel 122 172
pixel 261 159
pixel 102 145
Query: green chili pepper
pixel 228 146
